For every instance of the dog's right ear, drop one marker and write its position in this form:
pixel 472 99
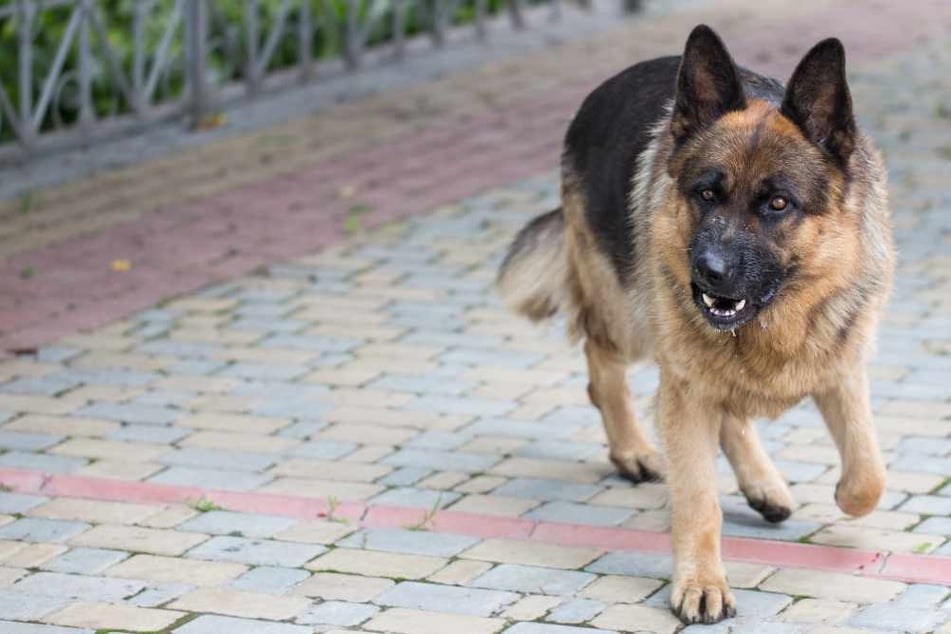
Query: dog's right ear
pixel 708 84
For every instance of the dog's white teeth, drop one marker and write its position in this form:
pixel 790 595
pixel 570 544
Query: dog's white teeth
pixel 708 300
pixel 740 305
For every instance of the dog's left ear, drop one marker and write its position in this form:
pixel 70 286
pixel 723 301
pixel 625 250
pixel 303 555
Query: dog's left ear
pixel 708 84
pixel 818 100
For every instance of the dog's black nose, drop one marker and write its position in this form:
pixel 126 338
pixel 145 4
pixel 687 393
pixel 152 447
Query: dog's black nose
pixel 713 268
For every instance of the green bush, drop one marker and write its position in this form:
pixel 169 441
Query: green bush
pixel 228 44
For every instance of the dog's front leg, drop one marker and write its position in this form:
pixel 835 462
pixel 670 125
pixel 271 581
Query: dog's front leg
pixel 690 430
pixel 846 410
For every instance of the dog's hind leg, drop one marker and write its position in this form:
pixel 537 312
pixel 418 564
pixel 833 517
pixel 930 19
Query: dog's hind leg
pixel 630 450
pixel 760 481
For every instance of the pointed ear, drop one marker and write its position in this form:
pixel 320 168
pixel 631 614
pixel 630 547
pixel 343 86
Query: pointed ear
pixel 708 84
pixel 818 100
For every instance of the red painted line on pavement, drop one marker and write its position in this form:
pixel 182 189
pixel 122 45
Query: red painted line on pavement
pixel 904 567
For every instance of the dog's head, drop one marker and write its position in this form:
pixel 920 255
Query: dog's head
pixel 759 177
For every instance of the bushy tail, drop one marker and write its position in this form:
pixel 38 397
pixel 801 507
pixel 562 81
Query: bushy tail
pixel 531 280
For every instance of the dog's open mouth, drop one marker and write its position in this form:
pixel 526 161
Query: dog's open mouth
pixel 723 313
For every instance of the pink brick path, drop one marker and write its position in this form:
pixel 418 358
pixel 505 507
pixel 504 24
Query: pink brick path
pixel 897 566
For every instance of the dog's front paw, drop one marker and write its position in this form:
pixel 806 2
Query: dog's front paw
pixel 702 600
pixel 859 495
pixel 647 466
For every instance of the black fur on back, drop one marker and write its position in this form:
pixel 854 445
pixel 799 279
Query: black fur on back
pixel 612 129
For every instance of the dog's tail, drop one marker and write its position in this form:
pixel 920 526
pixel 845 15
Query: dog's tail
pixel 531 280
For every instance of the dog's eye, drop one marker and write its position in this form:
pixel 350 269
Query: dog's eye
pixel 708 195
pixel 778 203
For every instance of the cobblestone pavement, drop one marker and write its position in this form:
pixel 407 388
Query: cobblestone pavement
pixel 362 440
pixel 225 208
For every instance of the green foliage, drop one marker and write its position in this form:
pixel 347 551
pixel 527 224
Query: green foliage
pixel 228 47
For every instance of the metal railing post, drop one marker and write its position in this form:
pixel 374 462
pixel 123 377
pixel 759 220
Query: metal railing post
pixel 305 38
pixel 138 56
pixel 25 71
pixel 197 55
pixel 251 32
pixel 351 35
pixel 86 114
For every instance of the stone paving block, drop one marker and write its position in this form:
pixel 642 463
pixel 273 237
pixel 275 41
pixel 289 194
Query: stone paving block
pixel 9 627
pixel 548 628
pixel 415 498
pixel 440 598
pixel 399 540
pixel 40 530
pixel 922 596
pixel 49 385
pixel 437 440
pixel 61 425
pixel 441 460
pixel 407 621
pixel 155 541
pixel 81 587
pixel 549 490
pixel 231 441
pixel 576 611
pixel 269 579
pixel 176 570
pixel 342 587
pixel 573 513
pixel 315 532
pixel 405 476
pixel 531 553
pixel 241 604
pixel 494 505
pixel 552 469
pixel 135 414
pixel 105 616
pixel 27 442
pixel 229 523
pixel 519 578
pixel 421 385
pixel 41 462
pixel 633 565
pixel 935 526
pixel 256 552
pixel 241 423
pixel 758 605
pixel 377 564
pixel 19 502
pixel 516 428
pixel 624 617
pixel 102 449
pixel 210 478
pixel 459 572
pixel 324 449
pixel 210 624
pixel 87 561
pixel 337 613
pixel 618 589
pixel 27 607
pixel 218 459
pixel 928 505
pixel 466 406
pixel 818 611
pixel 829 585
pixel 158 594
pixel 149 434
pixel 559 450
pixel 889 617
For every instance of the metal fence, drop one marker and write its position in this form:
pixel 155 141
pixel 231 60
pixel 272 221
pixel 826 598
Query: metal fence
pixel 72 72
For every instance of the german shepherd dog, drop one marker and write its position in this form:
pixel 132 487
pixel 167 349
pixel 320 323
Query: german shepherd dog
pixel 737 232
